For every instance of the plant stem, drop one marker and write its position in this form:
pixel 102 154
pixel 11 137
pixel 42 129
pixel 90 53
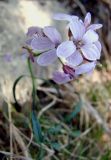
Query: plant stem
pixel 35 122
pixel 35 99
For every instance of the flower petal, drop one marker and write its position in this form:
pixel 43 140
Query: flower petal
pixel 28 42
pixel 95 26
pixel 47 58
pixel 75 59
pixel 65 49
pixel 90 36
pixel 91 52
pixel 60 77
pixel 52 34
pixel 98 45
pixel 62 16
pixel 77 28
pixel 42 44
pixel 85 68
pixel 87 19
pixel 24 56
pixel 34 30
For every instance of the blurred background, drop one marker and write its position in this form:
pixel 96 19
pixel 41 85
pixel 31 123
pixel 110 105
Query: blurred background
pixel 77 119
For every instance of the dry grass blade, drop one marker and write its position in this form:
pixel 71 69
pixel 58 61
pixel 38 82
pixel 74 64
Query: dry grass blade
pixel 83 9
pixel 90 109
pixel 11 130
pixel 108 2
pixel 15 156
pixel 46 108
pixel 20 142
pixel 50 151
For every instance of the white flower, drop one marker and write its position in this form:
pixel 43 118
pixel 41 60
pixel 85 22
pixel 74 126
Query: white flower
pixel 83 38
pixel 84 42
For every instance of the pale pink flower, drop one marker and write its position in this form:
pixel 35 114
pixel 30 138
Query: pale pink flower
pixel 85 42
pixel 44 41
pixel 70 73
pixel 80 53
pixel 84 37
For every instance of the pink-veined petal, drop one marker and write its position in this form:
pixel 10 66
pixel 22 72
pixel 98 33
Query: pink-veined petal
pixel 52 34
pixel 85 68
pixel 90 52
pixel 47 58
pixel 98 45
pixel 81 22
pixel 62 16
pixel 77 28
pixel 60 77
pixel 90 36
pixel 87 19
pixel 42 44
pixel 75 59
pixel 65 49
pixel 94 26
pixel 25 54
pixel 28 41
pixel 34 30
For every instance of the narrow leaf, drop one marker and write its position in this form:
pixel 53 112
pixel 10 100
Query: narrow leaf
pixel 74 113
pixel 36 127
pixel 16 104
pixel 14 86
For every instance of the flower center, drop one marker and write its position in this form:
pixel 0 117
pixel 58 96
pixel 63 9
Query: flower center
pixel 78 44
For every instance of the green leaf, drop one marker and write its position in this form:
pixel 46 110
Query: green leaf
pixel 56 146
pixel 76 133
pixel 106 156
pixel 36 127
pixel 55 129
pixel 21 120
pixel 74 113
pixel 14 86
pixel 17 106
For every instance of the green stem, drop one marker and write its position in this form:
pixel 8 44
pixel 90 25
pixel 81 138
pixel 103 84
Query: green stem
pixel 31 73
pixel 35 122
pixel 35 99
pixel 61 61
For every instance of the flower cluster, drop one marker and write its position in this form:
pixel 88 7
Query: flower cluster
pixel 78 55
pixel 42 44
